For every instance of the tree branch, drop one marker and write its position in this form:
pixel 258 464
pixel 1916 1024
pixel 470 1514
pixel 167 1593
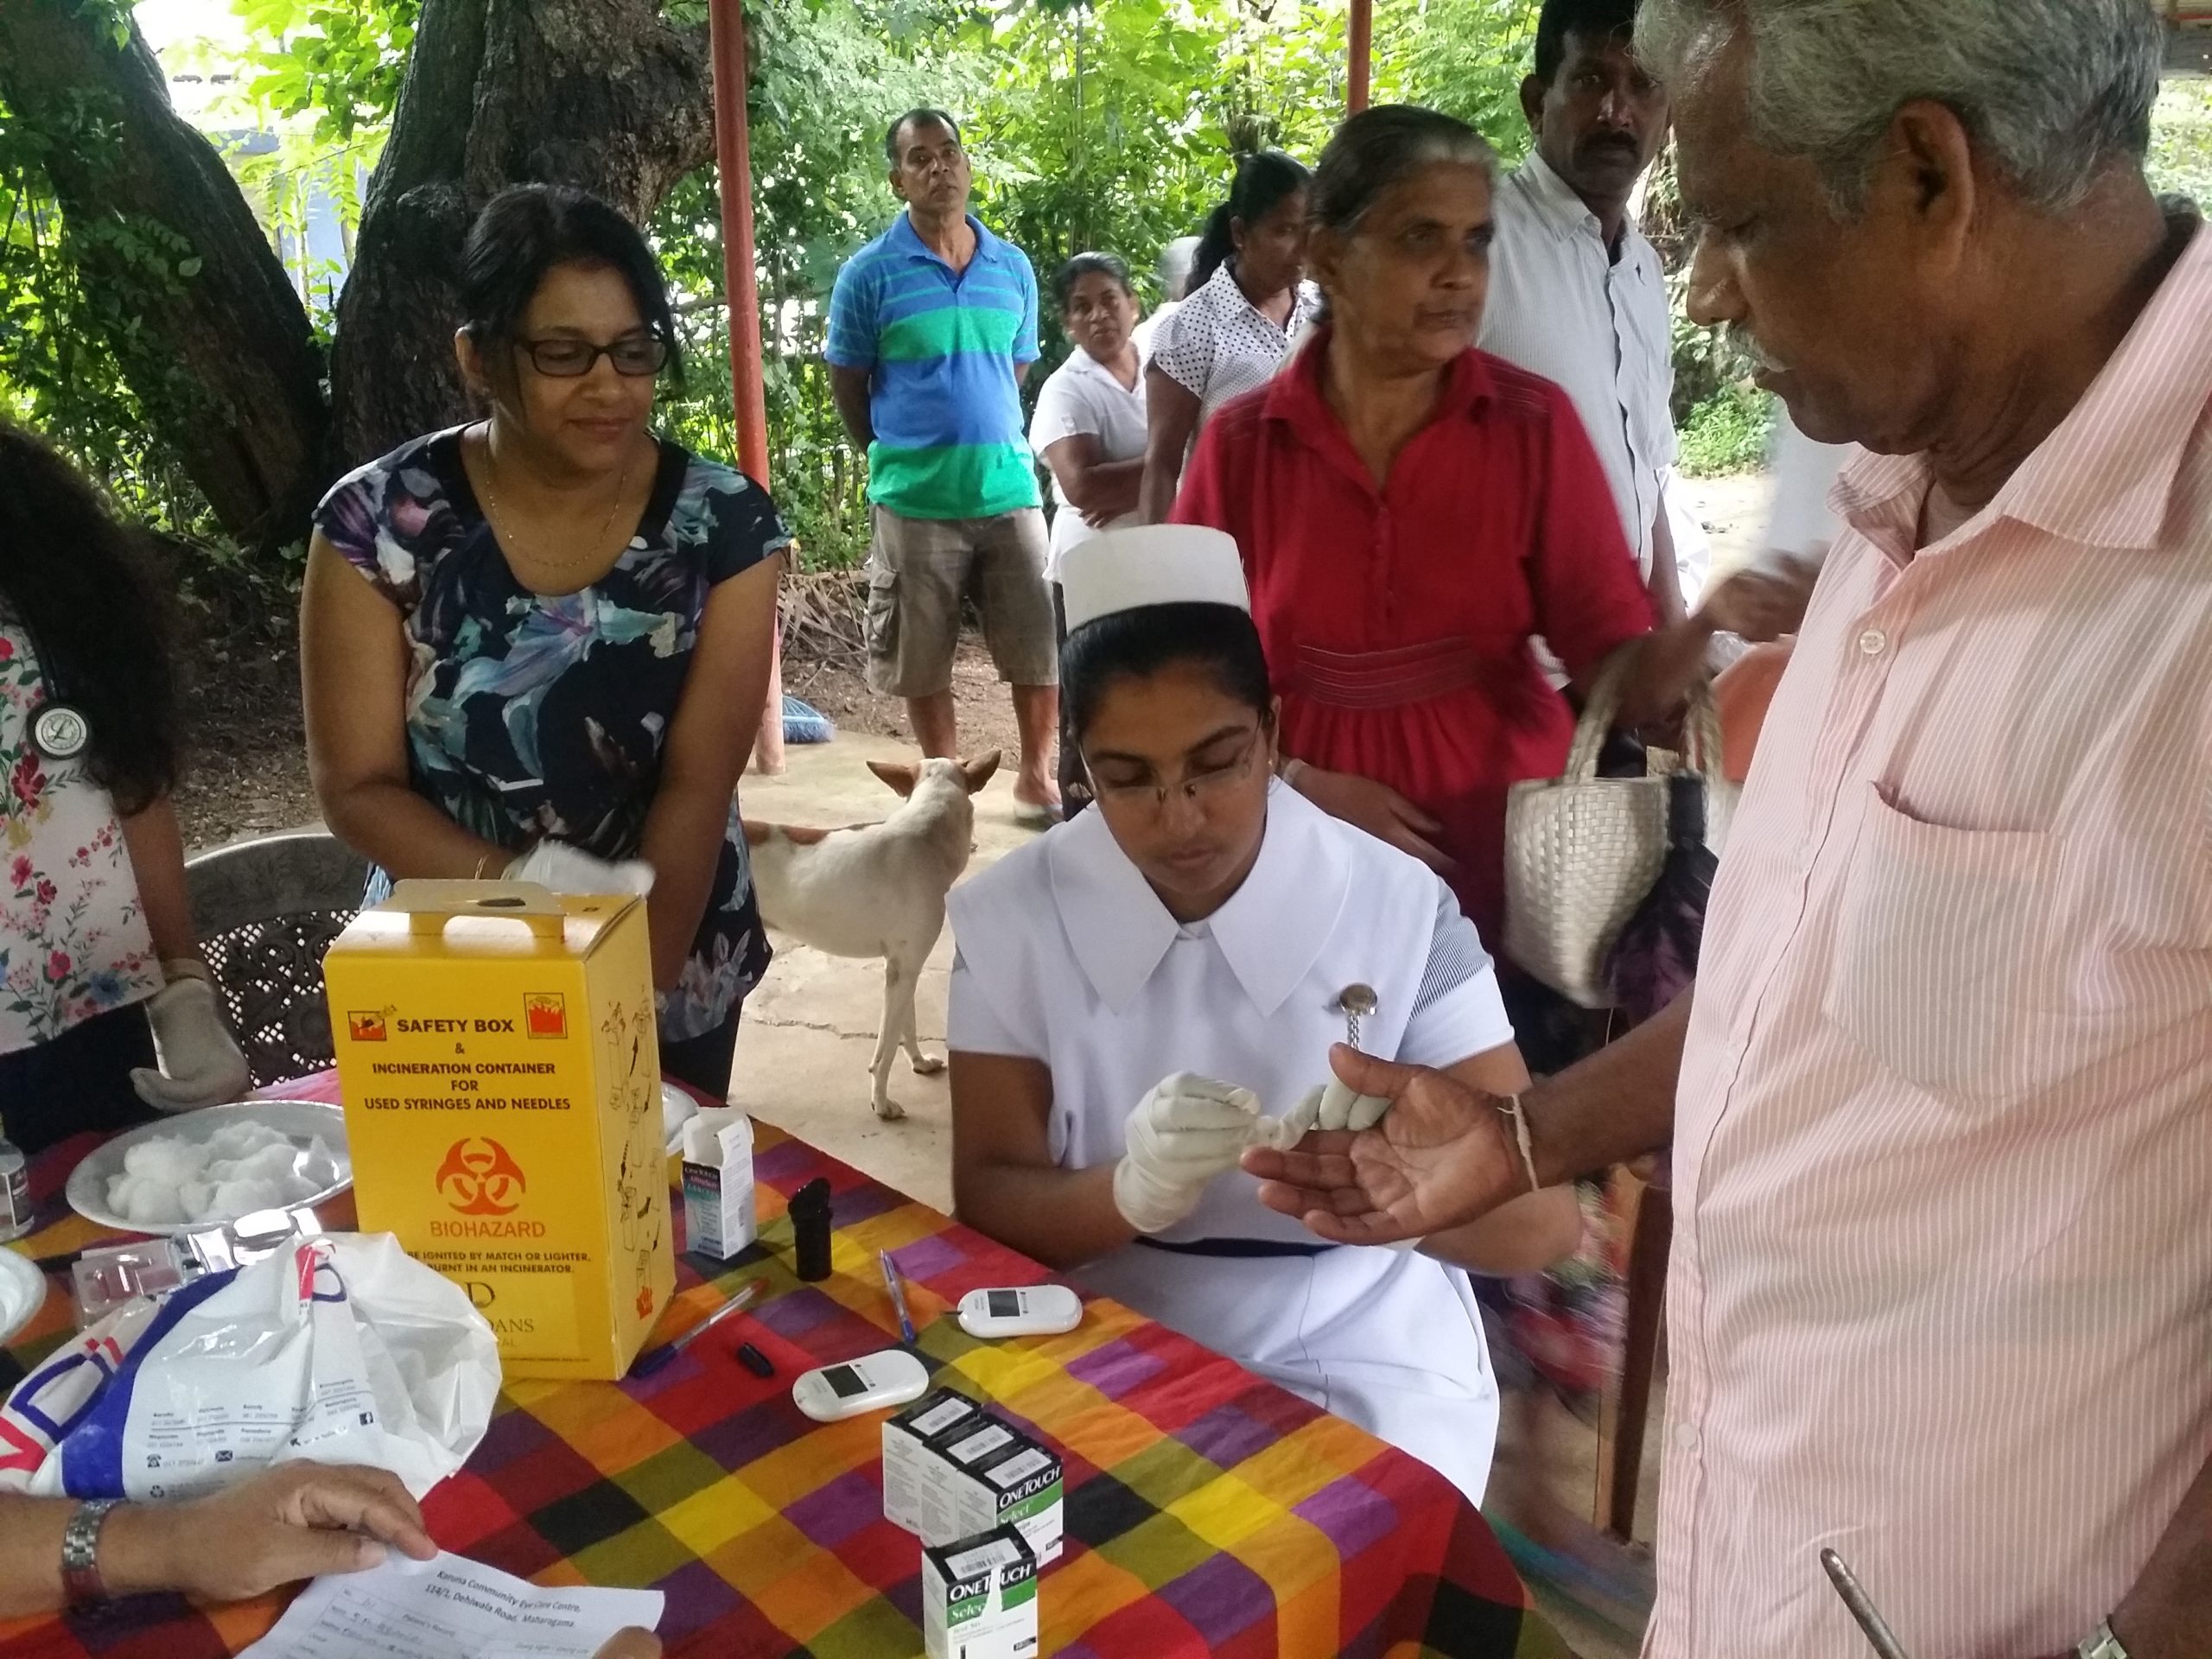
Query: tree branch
pixel 215 342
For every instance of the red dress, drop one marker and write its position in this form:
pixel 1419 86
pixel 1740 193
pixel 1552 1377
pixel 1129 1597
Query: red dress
pixel 1398 621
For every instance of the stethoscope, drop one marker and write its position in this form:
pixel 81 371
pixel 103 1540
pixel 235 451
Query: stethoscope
pixel 59 729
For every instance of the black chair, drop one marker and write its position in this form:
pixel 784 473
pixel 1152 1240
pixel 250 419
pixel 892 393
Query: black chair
pixel 265 910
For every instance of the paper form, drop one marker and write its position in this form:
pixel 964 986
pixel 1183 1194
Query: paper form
pixel 450 1608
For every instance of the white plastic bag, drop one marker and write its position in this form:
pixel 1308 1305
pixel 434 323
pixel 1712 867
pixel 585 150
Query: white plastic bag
pixel 341 1350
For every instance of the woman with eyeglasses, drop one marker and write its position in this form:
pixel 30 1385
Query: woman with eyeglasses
pixel 1154 986
pixel 537 644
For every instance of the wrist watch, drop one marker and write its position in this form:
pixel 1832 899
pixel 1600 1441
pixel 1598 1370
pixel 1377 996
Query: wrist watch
pixel 2103 1644
pixel 81 1551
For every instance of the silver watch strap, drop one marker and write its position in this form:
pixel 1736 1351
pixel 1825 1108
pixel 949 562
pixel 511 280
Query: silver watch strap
pixel 80 1552
pixel 2103 1644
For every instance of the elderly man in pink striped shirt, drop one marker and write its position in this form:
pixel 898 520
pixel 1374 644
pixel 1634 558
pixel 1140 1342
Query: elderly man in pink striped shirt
pixel 1941 1113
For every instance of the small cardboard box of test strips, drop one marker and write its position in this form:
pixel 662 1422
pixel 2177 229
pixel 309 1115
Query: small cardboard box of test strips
pixel 718 1219
pixel 911 1494
pixel 953 1470
pixel 979 1598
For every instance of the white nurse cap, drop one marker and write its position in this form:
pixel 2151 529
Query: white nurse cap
pixel 1151 564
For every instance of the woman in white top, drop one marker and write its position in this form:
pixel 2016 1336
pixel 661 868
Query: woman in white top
pixel 1089 431
pixel 1246 300
pixel 1155 985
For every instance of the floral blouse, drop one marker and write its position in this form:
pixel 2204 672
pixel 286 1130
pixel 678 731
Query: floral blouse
pixel 74 942
pixel 532 715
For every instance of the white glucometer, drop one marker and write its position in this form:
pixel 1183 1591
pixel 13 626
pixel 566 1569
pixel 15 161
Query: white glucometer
pixel 834 1393
pixel 1032 1310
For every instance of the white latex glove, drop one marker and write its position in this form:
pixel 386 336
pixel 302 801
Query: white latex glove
pixel 564 868
pixel 200 1064
pixel 1333 1105
pixel 1182 1134
pixel 1330 1106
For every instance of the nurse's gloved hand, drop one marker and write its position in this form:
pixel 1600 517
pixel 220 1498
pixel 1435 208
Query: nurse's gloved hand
pixel 564 868
pixel 1182 1134
pixel 1331 1105
pixel 200 1064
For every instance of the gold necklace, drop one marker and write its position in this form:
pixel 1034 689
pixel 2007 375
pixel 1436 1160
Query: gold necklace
pixel 492 507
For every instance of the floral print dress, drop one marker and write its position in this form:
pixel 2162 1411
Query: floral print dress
pixel 74 942
pixel 531 716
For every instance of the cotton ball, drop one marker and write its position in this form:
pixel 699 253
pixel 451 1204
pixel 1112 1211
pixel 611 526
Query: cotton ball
pixel 166 1158
pixel 243 1140
pixel 276 1163
pixel 320 1165
pixel 298 1187
pixel 193 1199
pixel 153 1203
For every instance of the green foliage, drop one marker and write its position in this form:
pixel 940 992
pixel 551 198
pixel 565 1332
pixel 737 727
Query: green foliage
pixel 1112 126
pixel 1728 432
pixel 338 63
pixel 74 359
pixel 1467 58
pixel 2181 140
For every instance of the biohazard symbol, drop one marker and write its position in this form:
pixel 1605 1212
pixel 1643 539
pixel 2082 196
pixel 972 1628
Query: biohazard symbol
pixel 480 1178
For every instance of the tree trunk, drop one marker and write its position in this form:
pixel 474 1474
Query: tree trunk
pixel 219 351
pixel 596 93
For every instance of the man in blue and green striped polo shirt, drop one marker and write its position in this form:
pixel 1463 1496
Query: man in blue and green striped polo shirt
pixel 932 326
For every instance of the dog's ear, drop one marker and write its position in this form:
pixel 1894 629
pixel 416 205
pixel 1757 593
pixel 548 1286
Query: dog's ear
pixel 978 773
pixel 900 775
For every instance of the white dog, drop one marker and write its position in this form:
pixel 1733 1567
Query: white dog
pixel 878 890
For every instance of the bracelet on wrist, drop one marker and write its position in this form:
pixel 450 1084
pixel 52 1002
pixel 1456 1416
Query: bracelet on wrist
pixel 1510 1110
pixel 80 1549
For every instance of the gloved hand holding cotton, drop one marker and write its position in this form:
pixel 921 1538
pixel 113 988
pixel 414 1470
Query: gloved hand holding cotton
pixel 1187 1130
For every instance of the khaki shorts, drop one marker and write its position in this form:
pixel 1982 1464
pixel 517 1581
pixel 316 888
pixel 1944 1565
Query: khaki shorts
pixel 920 569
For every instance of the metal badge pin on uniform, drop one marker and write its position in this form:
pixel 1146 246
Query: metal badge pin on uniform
pixel 1353 1001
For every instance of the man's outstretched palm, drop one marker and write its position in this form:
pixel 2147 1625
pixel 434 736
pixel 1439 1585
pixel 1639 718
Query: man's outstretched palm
pixel 1440 1156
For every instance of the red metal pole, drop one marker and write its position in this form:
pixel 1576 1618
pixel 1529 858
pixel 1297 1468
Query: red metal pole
pixel 1362 32
pixel 740 289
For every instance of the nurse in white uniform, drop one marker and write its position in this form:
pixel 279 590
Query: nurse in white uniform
pixel 1153 987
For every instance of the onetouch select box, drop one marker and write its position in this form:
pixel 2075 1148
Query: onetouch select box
pixel 501 1075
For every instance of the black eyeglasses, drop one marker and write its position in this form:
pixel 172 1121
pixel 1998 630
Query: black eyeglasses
pixel 565 359
pixel 1200 787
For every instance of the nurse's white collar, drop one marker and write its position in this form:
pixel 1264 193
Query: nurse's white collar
pixel 1270 932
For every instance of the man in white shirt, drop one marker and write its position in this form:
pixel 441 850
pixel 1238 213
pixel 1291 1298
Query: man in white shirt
pixel 1577 294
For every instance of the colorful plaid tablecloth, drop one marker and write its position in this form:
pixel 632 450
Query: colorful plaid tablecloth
pixel 1207 1512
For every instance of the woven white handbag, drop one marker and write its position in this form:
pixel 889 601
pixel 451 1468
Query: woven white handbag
pixel 1582 851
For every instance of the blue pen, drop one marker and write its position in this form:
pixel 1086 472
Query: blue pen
pixel 653 1359
pixel 898 1294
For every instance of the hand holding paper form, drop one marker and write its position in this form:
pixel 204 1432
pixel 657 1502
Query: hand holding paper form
pixel 451 1608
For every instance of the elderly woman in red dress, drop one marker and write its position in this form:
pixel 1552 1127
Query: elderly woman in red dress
pixel 1414 514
